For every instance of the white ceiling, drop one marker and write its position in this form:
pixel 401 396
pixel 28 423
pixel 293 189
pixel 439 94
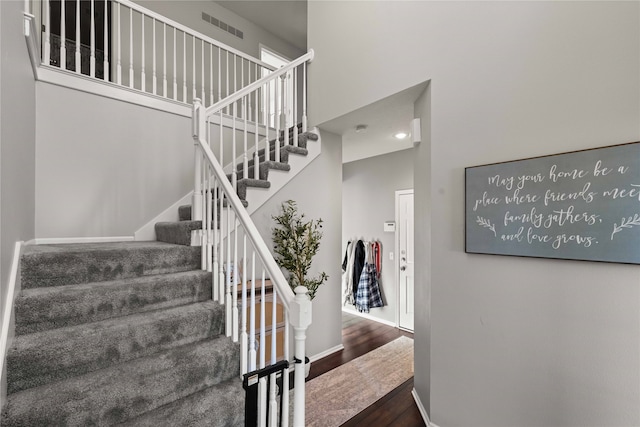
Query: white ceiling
pixel 384 118
pixel 286 19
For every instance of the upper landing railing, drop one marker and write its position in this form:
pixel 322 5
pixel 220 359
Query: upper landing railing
pixel 125 44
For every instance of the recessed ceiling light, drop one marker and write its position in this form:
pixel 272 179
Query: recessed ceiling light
pixel 400 135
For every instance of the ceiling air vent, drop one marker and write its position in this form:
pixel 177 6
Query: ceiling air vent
pixel 222 25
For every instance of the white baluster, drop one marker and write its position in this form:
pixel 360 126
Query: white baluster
pixel 256 157
pixel 210 220
pixel 105 45
pixel 184 67
pixel 278 107
pixel 211 100
pixel 304 97
pixel 193 66
pixel 294 113
pixel 196 204
pixel 219 75
pixel 175 74
pixel 202 70
pixel 93 40
pixel 228 298
pixel 262 403
pixel 206 222
pixel 234 292
pixel 130 47
pixel 216 242
pixel 263 339
pixel 47 32
pixel 222 211
pixel 78 56
pixel 274 324
pixel 244 345
pixel 252 314
pixel 164 60
pixel 227 77
pixel 267 148
pixel 154 77
pixel 284 417
pixel 63 36
pixel 285 107
pixel 245 158
pixel 273 404
pixel 143 79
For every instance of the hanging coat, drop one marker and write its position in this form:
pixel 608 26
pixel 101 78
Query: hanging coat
pixel 358 264
pixel 368 293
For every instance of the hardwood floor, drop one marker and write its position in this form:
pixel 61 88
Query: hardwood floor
pixel 360 336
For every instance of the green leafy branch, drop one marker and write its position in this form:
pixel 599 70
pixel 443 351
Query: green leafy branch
pixel 296 242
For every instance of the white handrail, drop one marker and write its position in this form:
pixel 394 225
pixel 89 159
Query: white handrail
pixel 8 306
pixel 272 268
pixel 236 96
pixel 275 94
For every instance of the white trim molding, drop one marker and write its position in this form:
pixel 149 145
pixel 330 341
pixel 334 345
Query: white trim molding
pixel 369 317
pixel 65 240
pixel 8 311
pixel 423 411
pixel 326 353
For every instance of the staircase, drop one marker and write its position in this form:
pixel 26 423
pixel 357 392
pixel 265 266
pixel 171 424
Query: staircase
pixel 181 232
pixel 159 333
pixel 120 333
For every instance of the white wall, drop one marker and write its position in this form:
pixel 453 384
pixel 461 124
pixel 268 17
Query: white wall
pixel 317 191
pixel 106 167
pixel 513 341
pixel 17 141
pixel 368 200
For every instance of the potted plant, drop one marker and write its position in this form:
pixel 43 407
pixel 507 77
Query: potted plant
pixel 296 241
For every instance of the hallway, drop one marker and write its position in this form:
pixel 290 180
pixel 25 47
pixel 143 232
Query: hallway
pixel 360 336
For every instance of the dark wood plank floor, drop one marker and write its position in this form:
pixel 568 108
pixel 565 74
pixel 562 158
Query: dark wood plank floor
pixel 360 336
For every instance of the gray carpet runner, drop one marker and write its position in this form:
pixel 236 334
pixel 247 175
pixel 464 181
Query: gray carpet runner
pixel 180 232
pixel 120 333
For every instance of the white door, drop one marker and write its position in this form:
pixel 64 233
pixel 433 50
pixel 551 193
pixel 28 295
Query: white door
pixel 405 264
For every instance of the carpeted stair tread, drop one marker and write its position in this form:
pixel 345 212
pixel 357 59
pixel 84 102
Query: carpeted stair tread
pixel 244 184
pixel 184 211
pixel 284 150
pixel 40 309
pixel 120 392
pixel 220 406
pixel 43 357
pixel 70 264
pixel 177 233
pixel 263 169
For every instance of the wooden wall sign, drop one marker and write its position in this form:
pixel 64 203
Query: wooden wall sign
pixel 583 205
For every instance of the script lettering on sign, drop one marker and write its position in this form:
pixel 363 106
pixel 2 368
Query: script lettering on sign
pixel 582 205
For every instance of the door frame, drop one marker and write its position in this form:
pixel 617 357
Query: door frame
pixel 396 261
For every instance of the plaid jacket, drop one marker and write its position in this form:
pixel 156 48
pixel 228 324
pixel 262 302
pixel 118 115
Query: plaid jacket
pixel 368 293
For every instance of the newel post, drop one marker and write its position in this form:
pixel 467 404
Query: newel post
pixel 300 320
pixel 198 127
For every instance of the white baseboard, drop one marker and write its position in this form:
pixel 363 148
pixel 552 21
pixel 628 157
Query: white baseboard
pixel 326 353
pixel 423 412
pixel 369 317
pixel 65 240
